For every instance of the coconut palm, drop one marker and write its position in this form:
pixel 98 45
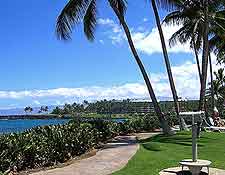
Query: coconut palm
pixel 217 45
pixel 168 66
pixel 212 84
pixel 186 15
pixel 219 84
pixel 28 109
pixel 86 10
pixel 219 89
pixel 197 19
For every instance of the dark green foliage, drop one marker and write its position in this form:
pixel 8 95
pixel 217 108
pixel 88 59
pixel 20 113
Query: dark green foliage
pixel 122 107
pixel 69 109
pixel 119 107
pixel 45 146
pixel 28 109
pixel 106 129
pixel 219 93
pixel 49 145
pixel 43 109
pixel 85 11
pixel 144 123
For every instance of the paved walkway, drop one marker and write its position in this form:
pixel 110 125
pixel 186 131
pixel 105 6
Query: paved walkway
pixel 114 156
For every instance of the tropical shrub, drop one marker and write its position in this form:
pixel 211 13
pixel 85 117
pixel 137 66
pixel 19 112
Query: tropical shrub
pixel 46 146
pixel 50 145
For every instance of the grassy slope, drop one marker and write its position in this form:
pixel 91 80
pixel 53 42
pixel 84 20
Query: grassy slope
pixel 162 152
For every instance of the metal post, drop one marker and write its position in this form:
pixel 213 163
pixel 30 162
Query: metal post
pixel 193 119
pixel 194 143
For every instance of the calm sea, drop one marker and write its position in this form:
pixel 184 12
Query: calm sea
pixel 8 126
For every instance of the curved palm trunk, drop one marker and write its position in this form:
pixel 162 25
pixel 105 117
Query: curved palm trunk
pixel 197 62
pixel 168 67
pixel 196 52
pixel 164 123
pixel 204 58
pixel 212 85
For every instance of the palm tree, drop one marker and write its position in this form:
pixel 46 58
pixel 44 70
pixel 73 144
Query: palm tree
pixel 168 67
pixel 28 109
pixel 186 14
pixel 198 19
pixel 43 109
pixel 219 84
pixel 213 18
pixel 77 10
pixel 212 84
pixel 219 89
pixel 205 55
pixel 217 44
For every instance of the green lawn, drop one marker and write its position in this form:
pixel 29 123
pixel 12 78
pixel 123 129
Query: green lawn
pixel 162 152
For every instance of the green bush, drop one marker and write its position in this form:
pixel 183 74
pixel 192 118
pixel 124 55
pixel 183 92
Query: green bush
pixel 46 146
pixel 49 145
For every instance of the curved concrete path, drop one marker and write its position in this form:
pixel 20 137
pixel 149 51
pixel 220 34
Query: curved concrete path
pixel 114 156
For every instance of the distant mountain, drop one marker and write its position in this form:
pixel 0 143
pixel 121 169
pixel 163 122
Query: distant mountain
pixel 20 111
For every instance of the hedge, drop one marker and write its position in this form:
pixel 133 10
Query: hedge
pixel 50 145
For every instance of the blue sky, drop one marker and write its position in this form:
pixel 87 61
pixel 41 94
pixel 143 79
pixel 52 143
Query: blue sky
pixel 37 69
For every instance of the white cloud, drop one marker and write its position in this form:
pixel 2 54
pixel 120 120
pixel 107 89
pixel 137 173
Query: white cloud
pixel 101 41
pixel 145 19
pixel 149 42
pixel 185 76
pixel 114 33
pixel 146 41
pixel 94 92
pixel 106 21
pixel 36 102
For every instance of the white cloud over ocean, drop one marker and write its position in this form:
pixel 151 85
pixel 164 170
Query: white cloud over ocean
pixel 185 76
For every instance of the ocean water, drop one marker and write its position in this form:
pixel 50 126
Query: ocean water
pixel 19 125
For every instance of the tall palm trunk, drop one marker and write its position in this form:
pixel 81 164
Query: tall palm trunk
pixel 164 123
pixel 197 62
pixel 212 85
pixel 168 67
pixel 204 57
pixel 195 50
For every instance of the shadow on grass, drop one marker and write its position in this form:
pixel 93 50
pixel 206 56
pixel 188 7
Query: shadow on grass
pixel 179 139
pixel 151 146
pixel 184 173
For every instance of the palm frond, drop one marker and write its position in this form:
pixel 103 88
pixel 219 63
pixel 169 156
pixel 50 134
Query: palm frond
pixel 71 15
pixel 213 42
pixel 198 32
pixel 221 57
pixel 120 5
pixel 174 18
pixel 182 36
pixel 170 4
pixel 90 21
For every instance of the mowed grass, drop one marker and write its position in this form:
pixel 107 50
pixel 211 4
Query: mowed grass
pixel 162 152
